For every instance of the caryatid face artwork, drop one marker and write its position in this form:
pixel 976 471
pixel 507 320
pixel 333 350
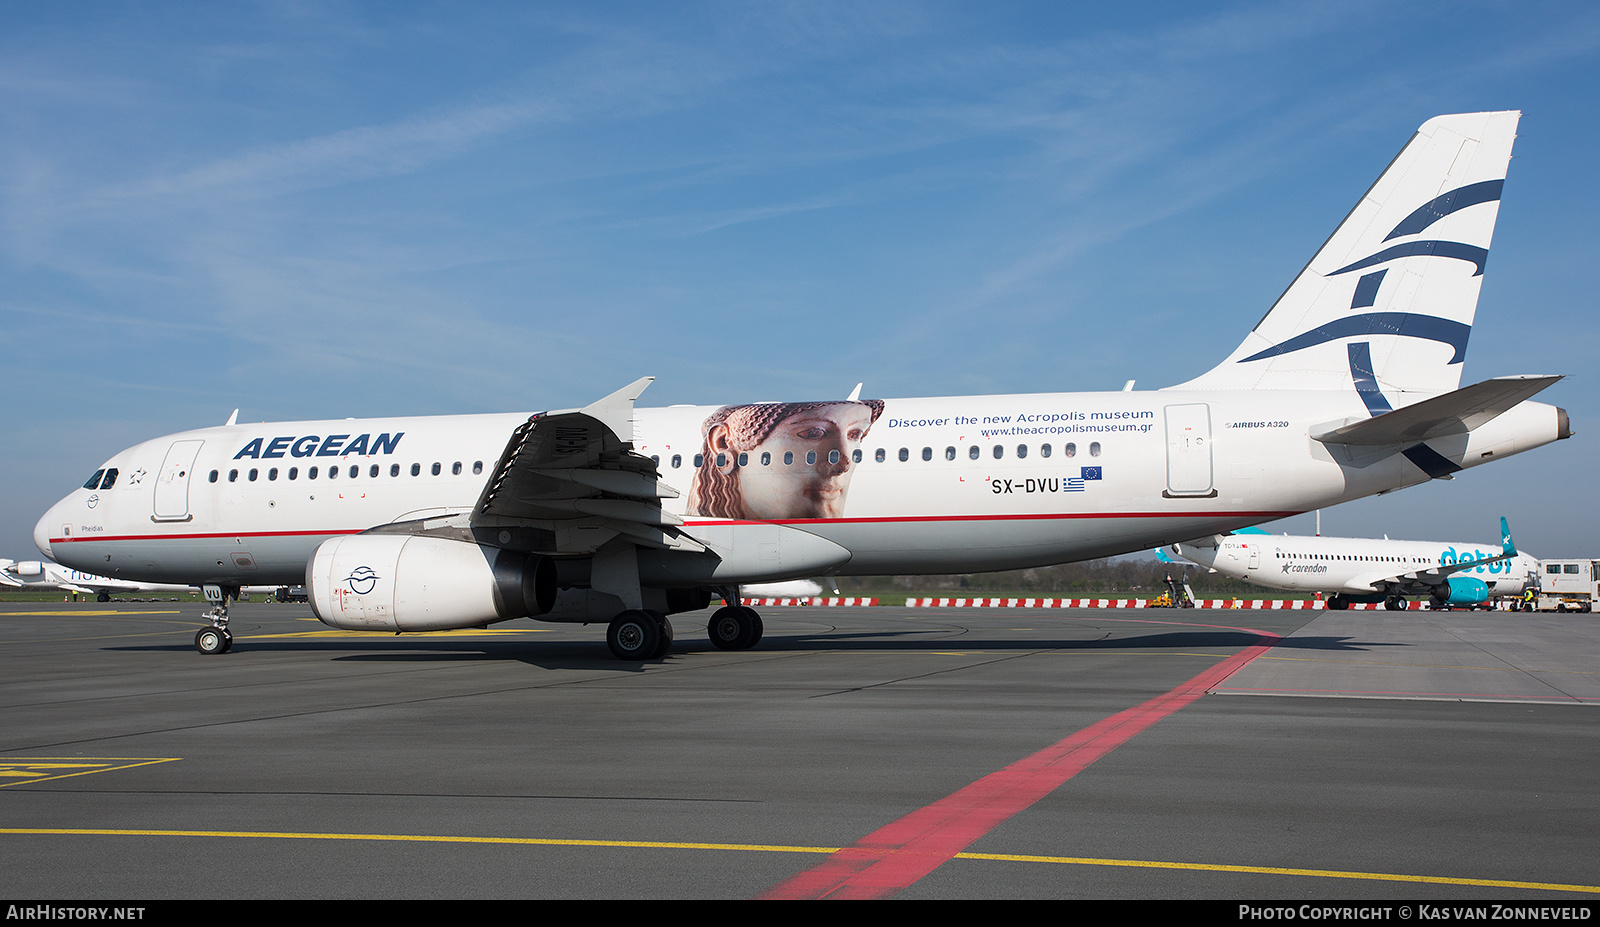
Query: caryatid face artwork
pixel 781 460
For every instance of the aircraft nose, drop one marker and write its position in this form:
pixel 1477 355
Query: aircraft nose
pixel 41 534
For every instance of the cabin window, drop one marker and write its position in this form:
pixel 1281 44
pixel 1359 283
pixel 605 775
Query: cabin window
pixel 333 473
pixel 1022 450
pixel 677 461
pixel 699 461
pixel 355 471
pixel 253 472
pixel 722 460
pixel 214 476
pixel 436 468
pixel 811 457
pixel 294 472
pixel 272 474
pixel 394 469
pixel 311 474
pixel 1094 449
pixel 950 453
pixel 833 456
pixel 233 476
pixel 1069 450
pixel 788 458
pixel 1044 450
pixel 744 459
pixel 477 465
pixel 905 455
pixel 373 472
pixel 855 455
pixel 879 455
pixel 973 452
pixel 927 453
pixel 999 452
pixel 455 468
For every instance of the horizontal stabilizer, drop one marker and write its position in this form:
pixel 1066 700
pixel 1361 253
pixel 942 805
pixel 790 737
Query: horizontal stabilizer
pixel 1452 413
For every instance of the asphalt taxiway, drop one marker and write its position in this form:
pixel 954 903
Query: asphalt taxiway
pixel 858 752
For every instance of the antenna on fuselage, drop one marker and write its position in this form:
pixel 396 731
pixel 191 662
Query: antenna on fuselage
pixel 855 394
pixel 232 419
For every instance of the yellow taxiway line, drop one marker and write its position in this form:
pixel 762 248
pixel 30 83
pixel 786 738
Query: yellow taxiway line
pixel 779 848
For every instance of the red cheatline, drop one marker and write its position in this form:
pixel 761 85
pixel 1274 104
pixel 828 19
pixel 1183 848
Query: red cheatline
pixel 893 857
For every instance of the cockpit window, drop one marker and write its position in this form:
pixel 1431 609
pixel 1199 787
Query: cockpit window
pixel 94 481
pixel 110 480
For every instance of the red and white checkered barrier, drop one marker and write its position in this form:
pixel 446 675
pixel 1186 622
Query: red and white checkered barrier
pixel 1120 603
pixel 813 600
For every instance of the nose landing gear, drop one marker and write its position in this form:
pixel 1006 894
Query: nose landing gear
pixel 217 638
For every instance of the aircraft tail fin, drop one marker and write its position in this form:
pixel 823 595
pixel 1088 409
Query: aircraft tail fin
pixel 1507 546
pixel 1387 303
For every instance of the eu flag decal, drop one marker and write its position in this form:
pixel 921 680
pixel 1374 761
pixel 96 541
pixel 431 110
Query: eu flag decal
pixel 1091 473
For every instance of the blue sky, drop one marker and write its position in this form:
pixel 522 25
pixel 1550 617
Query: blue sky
pixel 321 210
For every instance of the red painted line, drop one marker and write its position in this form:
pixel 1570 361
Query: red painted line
pixel 891 858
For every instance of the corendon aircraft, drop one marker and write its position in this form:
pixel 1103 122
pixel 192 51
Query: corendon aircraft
pixel 1348 387
pixel 1367 569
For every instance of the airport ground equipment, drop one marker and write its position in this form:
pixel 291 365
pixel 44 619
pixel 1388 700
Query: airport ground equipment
pixel 1568 585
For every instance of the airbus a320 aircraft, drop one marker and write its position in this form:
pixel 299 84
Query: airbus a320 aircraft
pixel 1349 386
pixel 1366 569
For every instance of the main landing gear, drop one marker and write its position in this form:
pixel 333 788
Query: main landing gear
pixel 1396 603
pixel 217 638
pixel 639 634
pixel 642 634
pixel 735 627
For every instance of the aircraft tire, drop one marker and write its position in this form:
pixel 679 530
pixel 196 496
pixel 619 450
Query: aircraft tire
pixel 665 647
pixel 103 597
pixel 212 641
pixel 729 628
pixel 1337 603
pixel 757 626
pixel 633 635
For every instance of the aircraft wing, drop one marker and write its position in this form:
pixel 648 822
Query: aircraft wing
pixel 572 481
pixel 1456 412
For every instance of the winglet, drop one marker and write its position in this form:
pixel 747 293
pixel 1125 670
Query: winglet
pixel 616 410
pixel 1507 546
pixel 1161 554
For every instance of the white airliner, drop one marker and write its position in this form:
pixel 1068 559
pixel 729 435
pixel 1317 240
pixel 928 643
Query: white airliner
pixel 42 574
pixel 1366 569
pixel 1349 386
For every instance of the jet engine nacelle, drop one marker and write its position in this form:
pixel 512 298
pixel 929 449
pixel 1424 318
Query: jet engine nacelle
pixel 26 568
pixel 377 582
pixel 1464 590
